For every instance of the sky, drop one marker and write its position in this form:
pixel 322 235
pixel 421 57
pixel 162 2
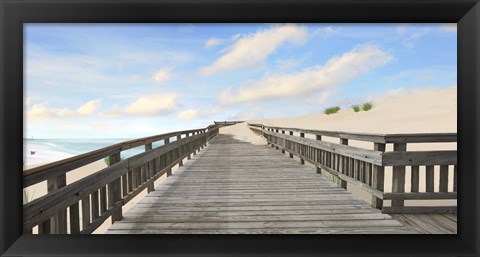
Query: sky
pixel 135 80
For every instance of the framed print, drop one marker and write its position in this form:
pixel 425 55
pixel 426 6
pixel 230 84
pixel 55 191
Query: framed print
pixel 183 128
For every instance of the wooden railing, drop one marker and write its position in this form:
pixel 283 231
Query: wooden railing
pixel 233 122
pixel 102 194
pixel 366 167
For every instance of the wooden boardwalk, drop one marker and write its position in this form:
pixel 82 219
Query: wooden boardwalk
pixel 233 186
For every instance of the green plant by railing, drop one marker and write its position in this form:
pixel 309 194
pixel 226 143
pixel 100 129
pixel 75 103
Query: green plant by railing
pixel 331 110
pixel 107 160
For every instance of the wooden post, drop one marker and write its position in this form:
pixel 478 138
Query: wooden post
pixel 150 169
pixel 443 178
pixel 414 179
pixel 429 178
pixel 378 176
pixel 85 212
pixel 302 161
pixel 59 221
pixel 342 183
pixel 169 171
pixel 291 134
pixel 115 191
pixel 180 164
pixel 283 149
pixel 398 183
pixel 45 227
pixel 319 138
pixel 95 205
pixel 74 219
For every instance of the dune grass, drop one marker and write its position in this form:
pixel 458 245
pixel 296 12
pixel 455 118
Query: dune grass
pixel 367 106
pixel 355 107
pixel 331 110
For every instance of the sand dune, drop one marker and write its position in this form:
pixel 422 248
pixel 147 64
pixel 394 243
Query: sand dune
pixel 423 111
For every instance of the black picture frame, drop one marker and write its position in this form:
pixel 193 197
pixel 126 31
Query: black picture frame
pixel 14 13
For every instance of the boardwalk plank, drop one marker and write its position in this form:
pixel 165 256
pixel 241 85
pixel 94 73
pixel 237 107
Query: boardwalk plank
pixel 236 187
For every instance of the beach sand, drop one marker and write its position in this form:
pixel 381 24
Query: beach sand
pixel 423 111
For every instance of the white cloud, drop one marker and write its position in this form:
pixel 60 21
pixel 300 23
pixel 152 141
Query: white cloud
pixel 151 105
pixel 252 49
pixel 336 71
pixel 89 108
pixel 212 42
pixel 450 27
pixel 408 35
pixel 42 110
pixel 163 74
pixel 187 114
pixel 324 32
pixel 425 78
pixel 192 113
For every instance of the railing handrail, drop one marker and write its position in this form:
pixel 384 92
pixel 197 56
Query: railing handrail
pixel 125 180
pixel 39 173
pixel 365 167
pixel 373 137
pixel 228 122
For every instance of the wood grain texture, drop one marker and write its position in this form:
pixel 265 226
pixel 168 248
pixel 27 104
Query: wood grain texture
pixel 235 187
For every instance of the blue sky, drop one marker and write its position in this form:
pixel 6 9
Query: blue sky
pixel 126 81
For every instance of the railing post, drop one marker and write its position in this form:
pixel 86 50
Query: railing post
pixel 319 138
pixel 283 149
pixel 58 224
pixel 169 171
pixel 276 147
pixel 150 170
pixel 378 176
pixel 302 161
pixel 115 192
pixel 398 176
pixel 342 183
pixel 291 134
pixel 180 164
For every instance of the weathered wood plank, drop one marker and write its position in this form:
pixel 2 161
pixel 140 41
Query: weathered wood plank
pixel 427 223
pixel 443 178
pixel 364 230
pixel 259 224
pixel 420 209
pixel 420 158
pixel 74 218
pixel 59 221
pixel 429 178
pixel 420 196
pixel 398 178
pixel 378 178
pixel 217 191
pixel 85 211
pixel 415 179
pixel 48 205
pixel 250 218
pixel 370 156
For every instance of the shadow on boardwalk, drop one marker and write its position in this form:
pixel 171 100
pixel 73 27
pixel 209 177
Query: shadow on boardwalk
pixel 235 187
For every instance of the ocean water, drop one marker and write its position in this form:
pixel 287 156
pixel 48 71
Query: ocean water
pixel 50 150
